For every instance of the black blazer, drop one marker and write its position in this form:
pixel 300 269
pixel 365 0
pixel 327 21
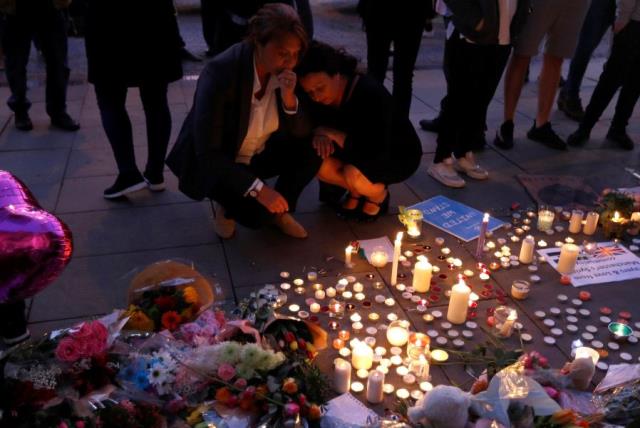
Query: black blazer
pixel 203 157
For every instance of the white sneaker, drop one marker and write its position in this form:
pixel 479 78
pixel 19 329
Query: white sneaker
pixel 224 227
pixel 445 174
pixel 468 165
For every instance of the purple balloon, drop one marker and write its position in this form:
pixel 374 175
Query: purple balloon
pixel 35 246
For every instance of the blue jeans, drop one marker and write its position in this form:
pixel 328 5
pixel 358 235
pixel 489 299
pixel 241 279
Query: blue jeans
pixel 599 18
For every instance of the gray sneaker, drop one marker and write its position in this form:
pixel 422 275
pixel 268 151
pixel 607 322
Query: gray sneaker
pixel 445 174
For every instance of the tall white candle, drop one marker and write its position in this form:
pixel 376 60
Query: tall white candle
pixel 397 248
pixel 375 384
pixel 481 238
pixel 591 223
pixel 347 256
pixel 575 223
pixel 568 258
pixel 459 303
pixel 342 376
pixel 526 251
pixel 362 356
pixel 422 275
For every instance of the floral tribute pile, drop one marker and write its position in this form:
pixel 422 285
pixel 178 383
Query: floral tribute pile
pixel 191 374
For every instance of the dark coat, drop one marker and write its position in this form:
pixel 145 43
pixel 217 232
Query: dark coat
pixel 204 155
pixel 132 42
pixel 467 14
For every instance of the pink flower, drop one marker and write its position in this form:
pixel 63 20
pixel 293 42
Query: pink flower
pixel 67 350
pixel 84 332
pixel 63 424
pixel 291 409
pixel 100 332
pixel 80 424
pixel 226 372
pixel 240 383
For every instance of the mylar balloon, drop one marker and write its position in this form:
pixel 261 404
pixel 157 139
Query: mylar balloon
pixel 35 246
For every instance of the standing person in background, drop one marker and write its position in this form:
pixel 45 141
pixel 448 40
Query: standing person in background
pixel 622 70
pixel 46 21
pixel 128 55
pixel 478 47
pixel 559 22
pixel 599 19
pixel 387 22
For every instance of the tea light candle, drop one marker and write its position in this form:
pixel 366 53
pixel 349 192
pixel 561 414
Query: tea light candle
pixel 347 295
pixel 294 308
pixel 545 219
pixel 379 258
pixel 342 376
pixel 343 334
pixel 362 356
pixel 312 275
pixel 591 223
pixel 330 292
pixel 398 333
pixel 375 384
pixel 439 355
pixel 358 287
pixel 337 344
pixel 575 224
pixel 527 249
pixel 402 393
pixel 314 308
pixel 397 247
pixel 389 301
pixel 426 386
pixel 568 258
pixel 459 303
pixel 357 327
pixel 357 387
pixel 484 275
pixel 520 289
pixel 445 251
pixel 422 275
pixel 344 352
pixel 373 316
pixel 360 297
pixel 320 294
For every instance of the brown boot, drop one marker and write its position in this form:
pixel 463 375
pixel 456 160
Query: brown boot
pixel 289 226
pixel 224 227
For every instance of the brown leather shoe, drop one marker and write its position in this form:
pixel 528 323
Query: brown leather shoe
pixel 289 226
pixel 224 227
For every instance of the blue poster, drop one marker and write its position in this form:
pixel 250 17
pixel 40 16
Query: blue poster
pixel 455 218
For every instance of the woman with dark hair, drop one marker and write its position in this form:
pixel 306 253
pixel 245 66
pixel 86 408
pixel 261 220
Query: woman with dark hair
pixel 245 126
pixel 365 147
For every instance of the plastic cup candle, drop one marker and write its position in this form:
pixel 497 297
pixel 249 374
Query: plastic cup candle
pixel 586 352
pixel 459 303
pixel 379 257
pixel 527 250
pixel 419 365
pixel 591 223
pixel 375 384
pixel 397 248
pixel 347 256
pixel 568 258
pixel 575 223
pixel 398 333
pixel 422 275
pixel 545 219
pixel 342 376
pixel 505 319
pixel 412 219
pixel 362 356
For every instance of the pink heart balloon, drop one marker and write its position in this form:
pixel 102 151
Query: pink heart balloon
pixel 35 246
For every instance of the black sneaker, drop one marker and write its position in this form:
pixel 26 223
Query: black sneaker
pixel 571 106
pixel 155 182
pixel 504 136
pixel 579 137
pixel 23 122
pixel 431 125
pixel 65 122
pixel 620 136
pixel 547 136
pixel 125 183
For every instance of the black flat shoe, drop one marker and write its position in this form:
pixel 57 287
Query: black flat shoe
pixel 350 213
pixel 384 208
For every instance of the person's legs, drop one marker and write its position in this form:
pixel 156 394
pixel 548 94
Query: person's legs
pixel 375 193
pixel 513 83
pixel 158 118
pixel 547 87
pixel 378 33
pixel 16 44
pixel 208 11
pixel 331 174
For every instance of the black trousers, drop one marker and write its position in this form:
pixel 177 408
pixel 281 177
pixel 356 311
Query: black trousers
pixel 387 22
pixel 13 319
pixel 622 70
pixel 474 74
pixel 209 12
pixel 117 125
pixel 49 26
pixel 293 161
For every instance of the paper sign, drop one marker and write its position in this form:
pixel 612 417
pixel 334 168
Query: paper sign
pixel 455 218
pixel 610 262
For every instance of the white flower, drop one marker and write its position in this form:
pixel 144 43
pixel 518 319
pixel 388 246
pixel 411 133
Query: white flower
pixel 229 352
pixel 251 354
pixel 245 371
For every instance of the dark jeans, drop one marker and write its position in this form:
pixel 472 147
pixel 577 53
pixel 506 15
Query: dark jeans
pixel 600 17
pixel 209 12
pixel 49 26
pixel 293 161
pixel 474 74
pixel 115 120
pixel 622 69
pixel 386 22
pixel 13 319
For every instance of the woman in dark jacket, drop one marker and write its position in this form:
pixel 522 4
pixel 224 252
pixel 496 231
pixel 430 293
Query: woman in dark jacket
pixel 133 44
pixel 364 144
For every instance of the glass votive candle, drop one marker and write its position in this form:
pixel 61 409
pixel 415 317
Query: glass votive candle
pixel 412 220
pixel 330 292
pixel 505 319
pixel 317 286
pixel 347 295
pixel 299 290
pixel 545 218
pixel 398 332
pixel 379 257
pixel 620 332
pixel 357 327
pixel 344 335
pixel 520 289
pixel 338 344
pixel 336 309
pixel 418 343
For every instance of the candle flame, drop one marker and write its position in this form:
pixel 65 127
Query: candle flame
pixel 399 236
pixel 616 216
pixel 485 219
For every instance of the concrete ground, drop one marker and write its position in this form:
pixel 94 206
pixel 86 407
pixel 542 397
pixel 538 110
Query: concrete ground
pixel 68 172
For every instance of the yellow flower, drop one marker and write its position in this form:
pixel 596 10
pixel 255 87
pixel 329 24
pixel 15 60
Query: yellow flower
pixel 139 321
pixel 196 415
pixel 190 295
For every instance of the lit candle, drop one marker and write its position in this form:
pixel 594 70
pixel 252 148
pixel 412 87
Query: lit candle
pixel 591 223
pixel 568 258
pixel 402 394
pixel 418 343
pixel 347 256
pixel 545 219
pixel 320 294
pixel 481 238
pixel 362 356
pixel 585 352
pixel 575 224
pixel 616 217
pixel 330 292
pixel 419 366
pixel 379 258
pixel 398 333
pixel 439 355
pixel 357 387
pixel 342 376
pixel 397 247
pixel 343 334
pixel 338 344
pixel 422 275
pixel 375 384
pixel 526 250
pixel 358 287
pixel 459 303
pixel 314 307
